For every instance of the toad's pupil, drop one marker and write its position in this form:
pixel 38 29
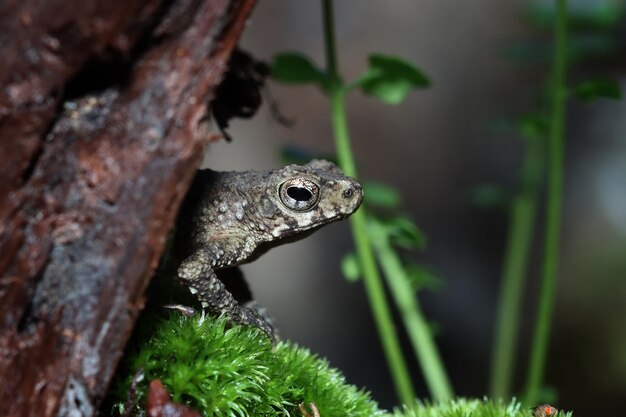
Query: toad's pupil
pixel 299 193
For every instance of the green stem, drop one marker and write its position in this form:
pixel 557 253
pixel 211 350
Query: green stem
pixel 373 284
pixel 416 326
pixel 553 210
pixel 522 220
pixel 381 312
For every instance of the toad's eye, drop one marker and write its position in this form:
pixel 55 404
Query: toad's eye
pixel 299 194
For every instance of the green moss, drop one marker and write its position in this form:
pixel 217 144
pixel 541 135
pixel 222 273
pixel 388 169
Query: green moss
pixel 464 407
pixel 235 371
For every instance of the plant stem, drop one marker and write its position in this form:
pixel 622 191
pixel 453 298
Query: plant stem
pixel 522 220
pixel 416 326
pixel 553 210
pixel 373 284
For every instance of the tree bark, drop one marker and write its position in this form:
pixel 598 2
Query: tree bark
pixel 90 183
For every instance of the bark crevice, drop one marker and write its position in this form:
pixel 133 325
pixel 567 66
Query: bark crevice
pixel 99 133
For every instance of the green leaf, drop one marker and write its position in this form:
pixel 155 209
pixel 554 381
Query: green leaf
pixel 404 232
pixel 381 195
pixel 294 68
pixel 390 78
pixel 435 328
pixel 533 126
pixel 423 277
pixel 598 88
pixel 350 267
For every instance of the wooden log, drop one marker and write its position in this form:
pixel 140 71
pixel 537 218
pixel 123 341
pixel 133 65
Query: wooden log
pixel 90 187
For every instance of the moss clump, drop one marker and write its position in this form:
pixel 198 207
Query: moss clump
pixel 233 371
pixel 464 407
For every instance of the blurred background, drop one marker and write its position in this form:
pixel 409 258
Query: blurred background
pixel 484 60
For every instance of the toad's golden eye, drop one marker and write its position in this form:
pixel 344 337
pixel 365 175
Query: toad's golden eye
pixel 299 194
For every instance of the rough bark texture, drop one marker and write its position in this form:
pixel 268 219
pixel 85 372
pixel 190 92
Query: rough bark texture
pixel 90 187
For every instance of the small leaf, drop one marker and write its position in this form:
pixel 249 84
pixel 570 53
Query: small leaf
pixel 390 79
pixel 404 232
pixel 435 328
pixel 490 196
pixel 294 68
pixel 598 88
pixel 350 267
pixel 423 277
pixel 381 195
pixel 533 126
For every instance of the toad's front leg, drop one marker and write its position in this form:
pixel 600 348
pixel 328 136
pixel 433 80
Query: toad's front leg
pixel 197 274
